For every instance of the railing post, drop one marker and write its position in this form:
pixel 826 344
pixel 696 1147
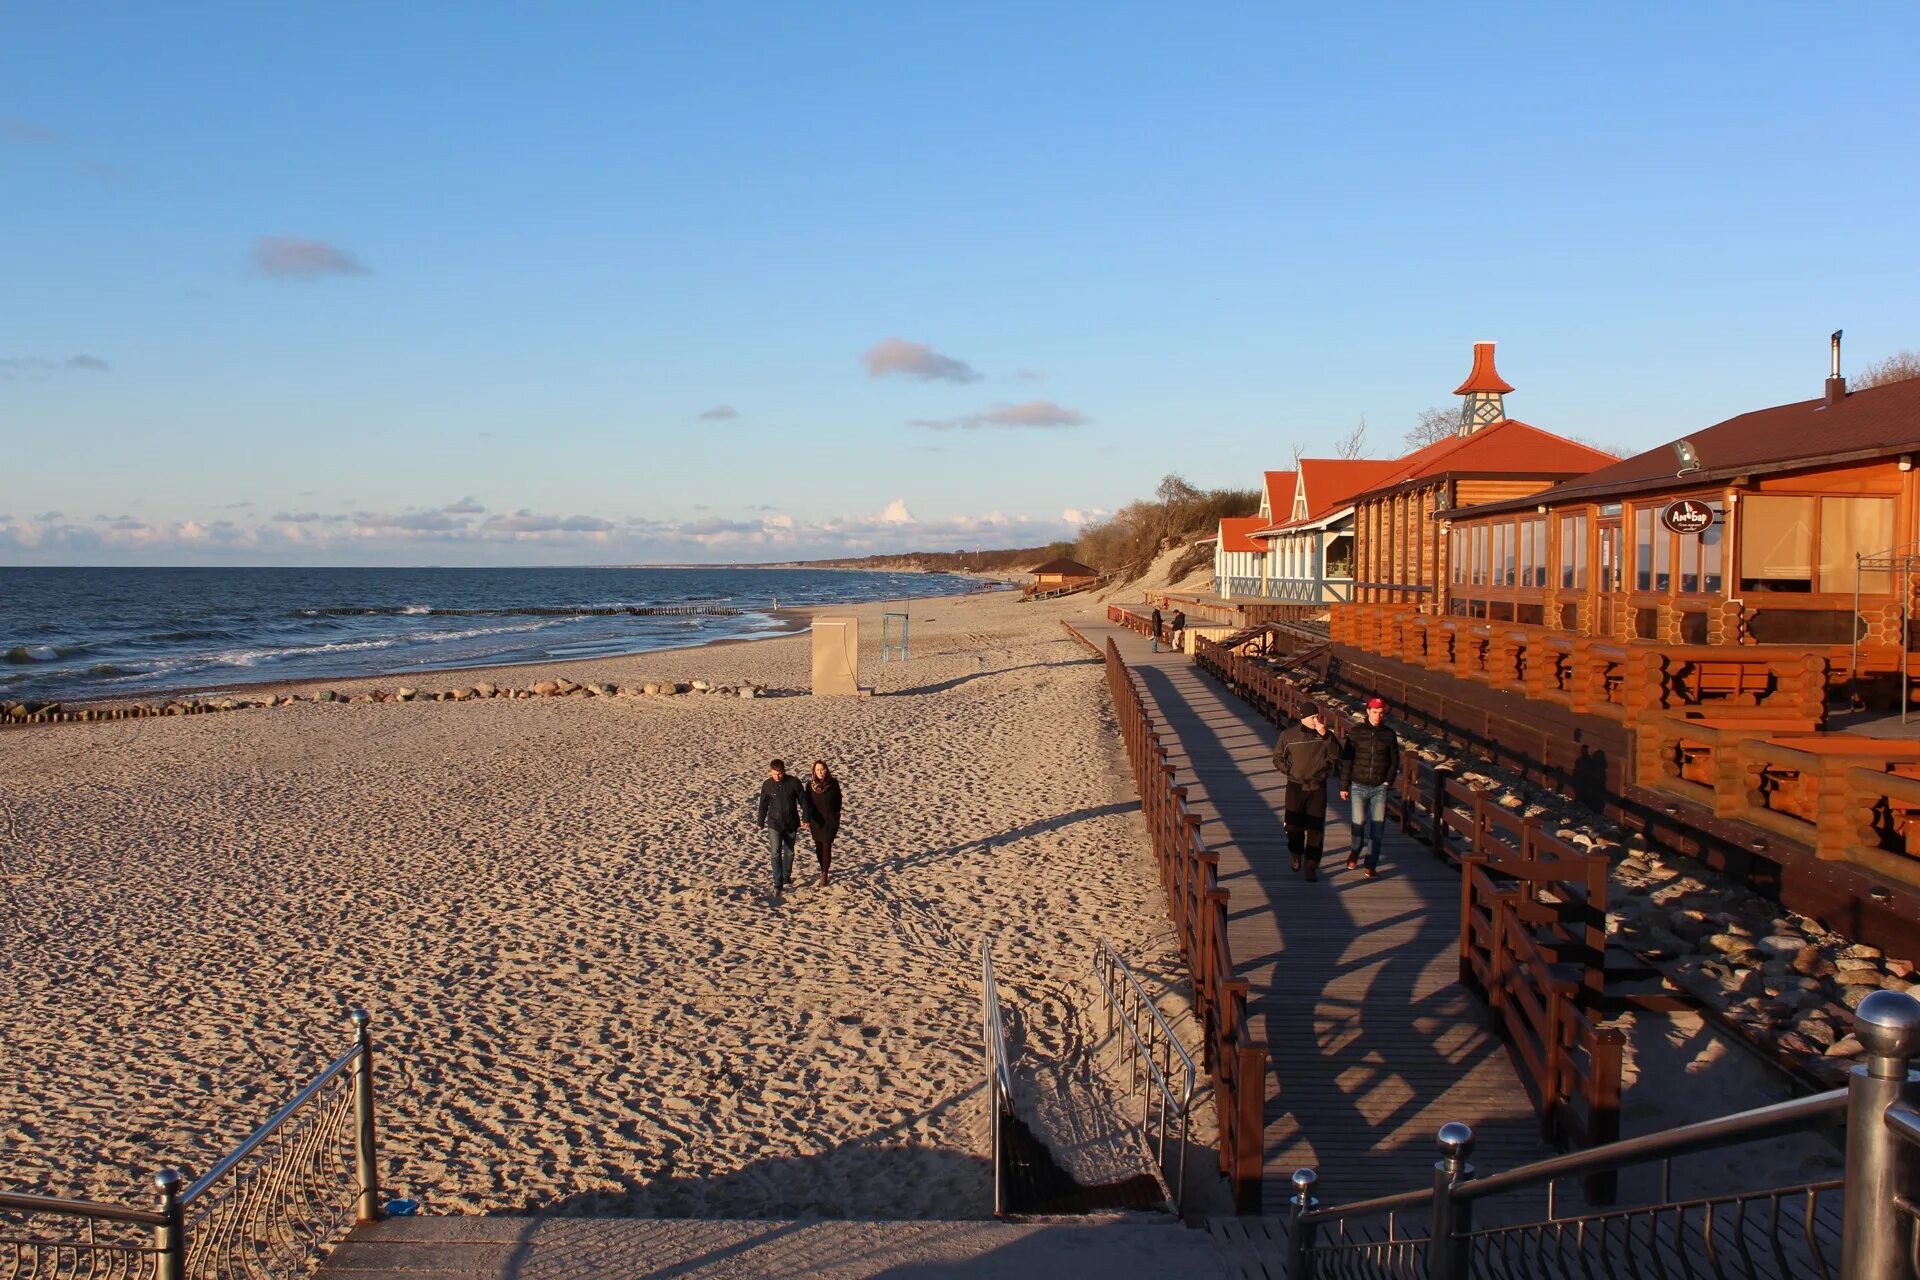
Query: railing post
pixel 1448 1255
pixel 1880 1164
pixel 366 1165
pixel 1299 1231
pixel 170 1237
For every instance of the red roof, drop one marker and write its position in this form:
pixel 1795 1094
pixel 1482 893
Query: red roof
pixel 1484 377
pixel 1065 568
pixel 1279 492
pixel 1875 422
pixel 1331 482
pixel 1508 447
pixel 1236 533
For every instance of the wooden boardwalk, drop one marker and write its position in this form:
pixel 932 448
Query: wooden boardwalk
pixel 1354 982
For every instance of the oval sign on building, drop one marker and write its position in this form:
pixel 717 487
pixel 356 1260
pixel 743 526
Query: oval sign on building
pixel 1689 515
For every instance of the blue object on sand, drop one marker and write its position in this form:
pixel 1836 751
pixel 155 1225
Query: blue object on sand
pixel 403 1208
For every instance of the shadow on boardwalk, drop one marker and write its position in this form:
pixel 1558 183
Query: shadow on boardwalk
pixel 1354 982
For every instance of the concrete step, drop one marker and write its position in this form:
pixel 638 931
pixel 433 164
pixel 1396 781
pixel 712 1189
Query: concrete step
pixel 1112 1247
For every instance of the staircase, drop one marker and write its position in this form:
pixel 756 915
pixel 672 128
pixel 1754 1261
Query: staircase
pixel 1117 1247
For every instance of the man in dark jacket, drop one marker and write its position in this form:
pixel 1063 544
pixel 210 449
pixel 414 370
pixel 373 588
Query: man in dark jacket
pixel 781 804
pixel 1179 629
pixel 1368 767
pixel 1156 629
pixel 1306 756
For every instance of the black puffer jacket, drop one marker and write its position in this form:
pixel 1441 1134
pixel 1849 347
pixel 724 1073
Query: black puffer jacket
pixel 1304 757
pixel 1372 755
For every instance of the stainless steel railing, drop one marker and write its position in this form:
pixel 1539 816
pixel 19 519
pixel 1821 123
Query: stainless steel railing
pixel 999 1075
pixel 266 1210
pixel 1155 1060
pixel 1863 1227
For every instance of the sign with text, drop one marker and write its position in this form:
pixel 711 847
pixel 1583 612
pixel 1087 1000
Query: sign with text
pixel 1687 516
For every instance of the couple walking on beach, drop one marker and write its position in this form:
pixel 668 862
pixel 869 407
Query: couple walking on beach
pixel 1367 762
pixel 786 804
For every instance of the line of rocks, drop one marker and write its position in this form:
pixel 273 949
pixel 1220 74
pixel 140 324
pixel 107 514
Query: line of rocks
pixel 21 713
pixel 1786 981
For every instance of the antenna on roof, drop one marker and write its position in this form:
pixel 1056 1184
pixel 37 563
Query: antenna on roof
pixel 1836 385
pixel 1689 459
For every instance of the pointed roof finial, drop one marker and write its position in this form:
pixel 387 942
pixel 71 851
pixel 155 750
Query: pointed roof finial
pixel 1484 379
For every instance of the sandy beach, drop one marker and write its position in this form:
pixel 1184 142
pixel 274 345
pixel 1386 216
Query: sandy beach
pixel 557 911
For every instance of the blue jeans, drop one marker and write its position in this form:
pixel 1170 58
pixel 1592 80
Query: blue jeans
pixel 780 846
pixel 1369 820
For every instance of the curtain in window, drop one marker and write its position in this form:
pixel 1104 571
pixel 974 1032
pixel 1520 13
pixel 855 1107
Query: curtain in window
pixel 1852 527
pixel 1776 539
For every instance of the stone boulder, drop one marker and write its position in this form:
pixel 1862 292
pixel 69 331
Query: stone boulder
pixel 547 688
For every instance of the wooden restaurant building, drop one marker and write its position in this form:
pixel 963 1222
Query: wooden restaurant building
pixel 1794 525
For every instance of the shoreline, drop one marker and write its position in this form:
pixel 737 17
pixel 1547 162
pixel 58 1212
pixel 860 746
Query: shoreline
pixel 790 620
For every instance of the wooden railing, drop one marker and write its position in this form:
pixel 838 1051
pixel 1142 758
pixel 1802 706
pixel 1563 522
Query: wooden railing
pixel 1197 905
pixel 1532 922
pixel 1622 680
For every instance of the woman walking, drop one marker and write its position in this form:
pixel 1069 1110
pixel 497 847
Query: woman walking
pixel 823 814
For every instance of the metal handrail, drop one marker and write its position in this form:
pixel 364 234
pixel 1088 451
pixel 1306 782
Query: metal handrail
pixel 999 1076
pixel 14 1202
pixel 226 1163
pixel 1747 1126
pixel 1107 961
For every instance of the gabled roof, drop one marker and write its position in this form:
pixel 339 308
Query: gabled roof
pixel 1484 378
pixel 1236 533
pixel 1329 485
pixel 1278 489
pixel 1863 424
pixel 1509 447
pixel 1065 568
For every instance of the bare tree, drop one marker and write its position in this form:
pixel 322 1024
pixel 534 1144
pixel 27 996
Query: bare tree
pixel 1433 425
pixel 1174 490
pixel 1611 450
pixel 1898 367
pixel 1354 443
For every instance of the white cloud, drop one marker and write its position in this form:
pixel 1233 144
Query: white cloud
pixel 720 413
pixel 1033 414
pixel 296 258
pixel 915 360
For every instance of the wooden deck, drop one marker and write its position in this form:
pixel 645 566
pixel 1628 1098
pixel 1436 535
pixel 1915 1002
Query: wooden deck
pixel 1355 987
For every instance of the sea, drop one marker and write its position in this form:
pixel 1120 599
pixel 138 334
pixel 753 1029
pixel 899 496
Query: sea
pixel 77 633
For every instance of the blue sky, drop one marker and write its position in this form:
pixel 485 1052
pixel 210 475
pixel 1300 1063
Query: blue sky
pixel 479 284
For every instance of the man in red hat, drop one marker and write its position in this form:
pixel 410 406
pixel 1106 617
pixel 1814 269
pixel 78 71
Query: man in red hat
pixel 1368 766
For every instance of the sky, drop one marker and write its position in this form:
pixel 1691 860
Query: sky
pixel 489 284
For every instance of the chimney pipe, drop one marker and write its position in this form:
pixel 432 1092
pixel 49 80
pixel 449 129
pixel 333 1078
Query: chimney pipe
pixel 1836 385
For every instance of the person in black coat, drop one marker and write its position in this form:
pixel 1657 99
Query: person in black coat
pixel 1368 767
pixel 823 814
pixel 1179 628
pixel 1306 756
pixel 1156 630
pixel 782 802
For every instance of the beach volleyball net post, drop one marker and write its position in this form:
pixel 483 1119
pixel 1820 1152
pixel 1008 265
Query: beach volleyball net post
pixel 893 637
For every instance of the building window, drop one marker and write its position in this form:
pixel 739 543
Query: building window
pixel 1776 543
pixel 1479 578
pixel 1700 556
pixel 1643 549
pixel 1573 553
pixel 1850 528
pixel 1457 553
pixel 1533 553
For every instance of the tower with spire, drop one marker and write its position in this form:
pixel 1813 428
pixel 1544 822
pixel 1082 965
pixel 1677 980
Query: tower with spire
pixel 1483 392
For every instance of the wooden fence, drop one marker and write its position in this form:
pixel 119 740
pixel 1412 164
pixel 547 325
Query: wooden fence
pixel 1533 919
pixel 1622 680
pixel 1198 907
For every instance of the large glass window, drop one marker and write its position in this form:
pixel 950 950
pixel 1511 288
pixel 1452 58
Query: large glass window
pixel 1479 555
pixel 1573 553
pixel 1776 543
pixel 1502 534
pixel 1849 528
pixel 1533 553
pixel 1643 549
pixel 1700 556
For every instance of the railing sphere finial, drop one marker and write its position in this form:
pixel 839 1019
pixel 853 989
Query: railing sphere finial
pixel 1303 1180
pixel 168 1179
pixel 1888 1024
pixel 1456 1140
pixel 358 1015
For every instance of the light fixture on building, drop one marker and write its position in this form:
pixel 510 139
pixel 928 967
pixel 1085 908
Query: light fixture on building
pixel 1689 459
pixel 1906 462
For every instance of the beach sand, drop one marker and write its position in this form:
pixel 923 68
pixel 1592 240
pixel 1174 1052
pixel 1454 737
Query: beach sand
pixel 557 911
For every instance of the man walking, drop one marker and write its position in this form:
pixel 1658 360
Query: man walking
pixel 1306 756
pixel 1368 767
pixel 781 804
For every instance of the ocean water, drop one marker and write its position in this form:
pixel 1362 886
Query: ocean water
pixel 95 633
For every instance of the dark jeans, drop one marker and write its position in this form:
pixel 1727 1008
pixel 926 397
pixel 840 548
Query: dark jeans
pixel 780 846
pixel 1306 815
pixel 1369 819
